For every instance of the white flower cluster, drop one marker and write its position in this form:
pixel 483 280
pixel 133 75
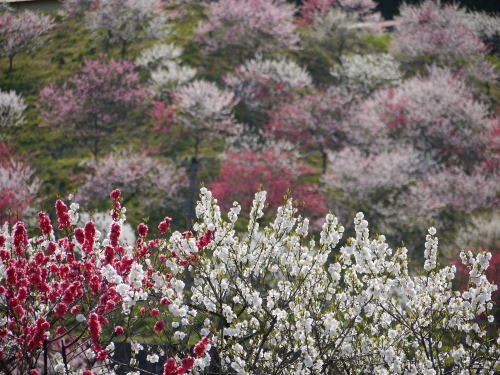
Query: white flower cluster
pixel 11 109
pixel 203 104
pixel 167 72
pixel 277 305
pixel 256 75
pixel 367 73
pixel 126 21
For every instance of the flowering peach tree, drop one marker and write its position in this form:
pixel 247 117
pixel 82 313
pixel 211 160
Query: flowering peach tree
pixel 94 102
pixel 419 152
pixel 23 32
pixel 70 293
pixel 18 189
pixel 248 26
pixel 121 23
pixel 275 169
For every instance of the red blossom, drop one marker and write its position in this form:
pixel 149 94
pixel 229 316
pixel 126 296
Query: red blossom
pixel 142 229
pixel 89 237
pixel 115 194
pixel 62 215
pixel 61 309
pixel 45 225
pixel 154 312
pixel 94 327
pixel 79 235
pixel 188 363
pixel 201 346
pixel 170 367
pixel 164 225
pixel 245 172
pixel 159 326
pixel 20 238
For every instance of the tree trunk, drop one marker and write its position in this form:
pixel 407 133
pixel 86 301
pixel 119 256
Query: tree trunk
pixel 189 203
pixel 123 50
pixel 11 58
pixel 324 159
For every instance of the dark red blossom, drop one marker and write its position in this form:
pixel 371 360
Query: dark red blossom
pixel 170 367
pixel 61 309
pixel 90 231
pixel 114 234
pixel 102 355
pixel 94 327
pixel 79 235
pixel 164 225
pixel 142 229
pixel 45 225
pixel 20 238
pixel 159 326
pixel 115 194
pixel 201 346
pixel 62 215
pixel 188 363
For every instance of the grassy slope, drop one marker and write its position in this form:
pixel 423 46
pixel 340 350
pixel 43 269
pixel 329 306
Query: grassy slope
pixel 56 155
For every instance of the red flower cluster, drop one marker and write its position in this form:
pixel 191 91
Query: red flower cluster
pixel 204 240
pixel 142 229
pixel 171 368
pixel 66 282
pixel 88 244
pixel 62 215
pixel 115 194
pixel 114 234
pixel 45 224
pixel 201 347
pixel 20 238
pixel 159 326
pixel 94 328
pixel 164 225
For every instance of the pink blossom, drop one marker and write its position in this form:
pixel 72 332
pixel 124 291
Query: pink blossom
pixel 249 26
pixel 95 101
pixel 157 180
pixel 432 30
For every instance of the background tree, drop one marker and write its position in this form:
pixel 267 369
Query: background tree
pixel 76 8
pixel 121 23
pixel 166 71
pixel 424 149
pixel 331 35
pixel 157 181
pixel 357 9
pixel 433 33
pixel 364 74
pixel 205 112
pixel 22 32
pixel 18 190
pixel 94 103
pixel 316 122
pixel 276 170
pixel 248 27
pixel 12 107
pixel 262 84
